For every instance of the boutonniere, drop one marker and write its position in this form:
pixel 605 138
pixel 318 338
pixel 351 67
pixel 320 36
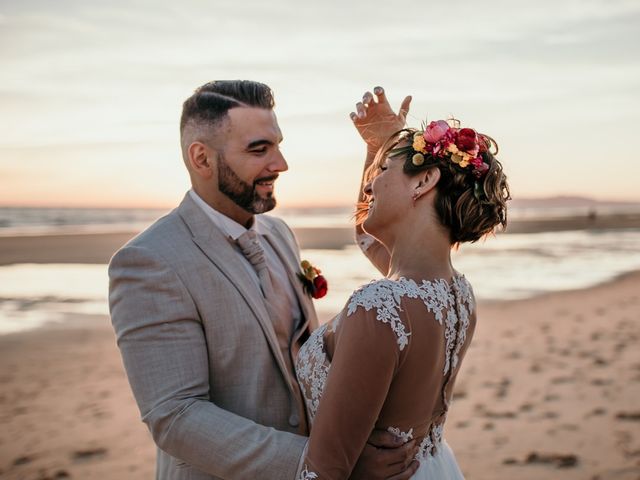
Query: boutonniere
pixel 313 282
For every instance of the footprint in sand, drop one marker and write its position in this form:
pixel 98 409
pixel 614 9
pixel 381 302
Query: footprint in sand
pixel 22 460
pixel 631 416
pixel 601 382
pixel 596 412
pixel 526 407
pixel 89 454
pixel 600 362
pixel 558 380
pixel 507 414
pixel 558 460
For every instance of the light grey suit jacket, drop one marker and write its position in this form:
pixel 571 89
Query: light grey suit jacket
pixel 200 350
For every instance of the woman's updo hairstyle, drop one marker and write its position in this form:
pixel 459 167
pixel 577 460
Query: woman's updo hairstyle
pixel 472 193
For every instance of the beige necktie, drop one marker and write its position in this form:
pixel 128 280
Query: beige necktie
pixel 252 250
pixel 276 299
pixel 279 308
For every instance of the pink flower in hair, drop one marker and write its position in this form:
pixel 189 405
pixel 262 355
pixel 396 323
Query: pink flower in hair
pixel 435 131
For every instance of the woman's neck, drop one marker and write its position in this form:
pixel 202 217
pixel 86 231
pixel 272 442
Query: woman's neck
pixel 421 254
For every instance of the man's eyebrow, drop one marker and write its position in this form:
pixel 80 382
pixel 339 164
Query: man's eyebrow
pixel 259 143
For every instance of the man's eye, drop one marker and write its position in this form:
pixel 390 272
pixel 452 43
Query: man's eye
pixel 259 150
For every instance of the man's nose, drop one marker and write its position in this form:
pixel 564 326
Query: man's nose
pixel 279 164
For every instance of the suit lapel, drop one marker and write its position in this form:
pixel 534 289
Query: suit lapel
pixel 219 250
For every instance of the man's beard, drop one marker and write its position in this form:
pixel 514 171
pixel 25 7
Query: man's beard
pixel 242 193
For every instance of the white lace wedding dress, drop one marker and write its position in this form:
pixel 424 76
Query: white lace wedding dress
pixel 388 361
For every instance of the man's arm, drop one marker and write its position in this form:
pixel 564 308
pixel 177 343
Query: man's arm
pixel 165 355
pixel 376 122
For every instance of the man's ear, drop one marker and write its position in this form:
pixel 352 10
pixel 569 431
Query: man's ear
pixel 425 182
pixel 201 159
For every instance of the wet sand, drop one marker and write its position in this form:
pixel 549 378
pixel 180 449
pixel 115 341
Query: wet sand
pixel 97 248
pixel 549 389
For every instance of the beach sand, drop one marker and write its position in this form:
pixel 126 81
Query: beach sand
pixel 549 389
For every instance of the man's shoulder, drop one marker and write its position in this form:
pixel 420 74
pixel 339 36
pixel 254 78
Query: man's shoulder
pixel 160 236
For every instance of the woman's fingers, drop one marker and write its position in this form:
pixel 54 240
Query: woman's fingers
pixel 404 108
pixel 367 98
pixel 382 97
pixel 361 109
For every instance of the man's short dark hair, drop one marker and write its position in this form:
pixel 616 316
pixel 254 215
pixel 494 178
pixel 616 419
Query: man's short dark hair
pixel 210 103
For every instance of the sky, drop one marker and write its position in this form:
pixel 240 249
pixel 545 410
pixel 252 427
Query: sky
pixel 91 92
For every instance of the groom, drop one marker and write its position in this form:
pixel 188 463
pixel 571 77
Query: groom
pixel 209 313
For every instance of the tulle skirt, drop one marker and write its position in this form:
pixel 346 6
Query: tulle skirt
pixel 441 466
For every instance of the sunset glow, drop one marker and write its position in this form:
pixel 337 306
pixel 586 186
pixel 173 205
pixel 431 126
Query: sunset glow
pixel 90 94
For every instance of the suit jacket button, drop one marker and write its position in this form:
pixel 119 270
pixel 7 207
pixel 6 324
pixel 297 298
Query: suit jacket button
pixel 294 421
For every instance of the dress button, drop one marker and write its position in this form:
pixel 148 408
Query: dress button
pixel 294 421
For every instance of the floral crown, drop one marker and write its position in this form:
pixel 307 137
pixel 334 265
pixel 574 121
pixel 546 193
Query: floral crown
pixel 461 148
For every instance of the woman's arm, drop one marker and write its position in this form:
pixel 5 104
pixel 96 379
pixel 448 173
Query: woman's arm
pixel 375 121
pixel 364 363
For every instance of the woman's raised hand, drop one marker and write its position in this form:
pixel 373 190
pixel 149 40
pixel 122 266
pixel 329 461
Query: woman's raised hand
pixel 375 120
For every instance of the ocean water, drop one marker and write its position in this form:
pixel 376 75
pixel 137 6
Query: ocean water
pixel 500 268
pixel 39 221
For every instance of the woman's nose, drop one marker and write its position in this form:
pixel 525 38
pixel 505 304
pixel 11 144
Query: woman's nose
pixel 367 189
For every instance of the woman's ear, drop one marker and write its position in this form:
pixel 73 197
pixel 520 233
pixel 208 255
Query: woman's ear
pixel 200 159
pixel 426 182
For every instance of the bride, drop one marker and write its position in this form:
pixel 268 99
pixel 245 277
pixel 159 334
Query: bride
pixel 390 358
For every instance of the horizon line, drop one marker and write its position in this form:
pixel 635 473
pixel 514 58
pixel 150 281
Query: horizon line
pixel 167 206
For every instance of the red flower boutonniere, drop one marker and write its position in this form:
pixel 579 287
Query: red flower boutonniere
pixel 312 280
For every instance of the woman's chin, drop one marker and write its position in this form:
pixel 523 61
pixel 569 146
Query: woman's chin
pixel 369 225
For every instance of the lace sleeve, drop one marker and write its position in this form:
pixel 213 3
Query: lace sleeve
pixel 364 363
pixel 385 297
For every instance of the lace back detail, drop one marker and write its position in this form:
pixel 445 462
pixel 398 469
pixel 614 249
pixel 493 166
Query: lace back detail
pixel 429 444
pixel 305 474
pixel 457 301
pixel 452 307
